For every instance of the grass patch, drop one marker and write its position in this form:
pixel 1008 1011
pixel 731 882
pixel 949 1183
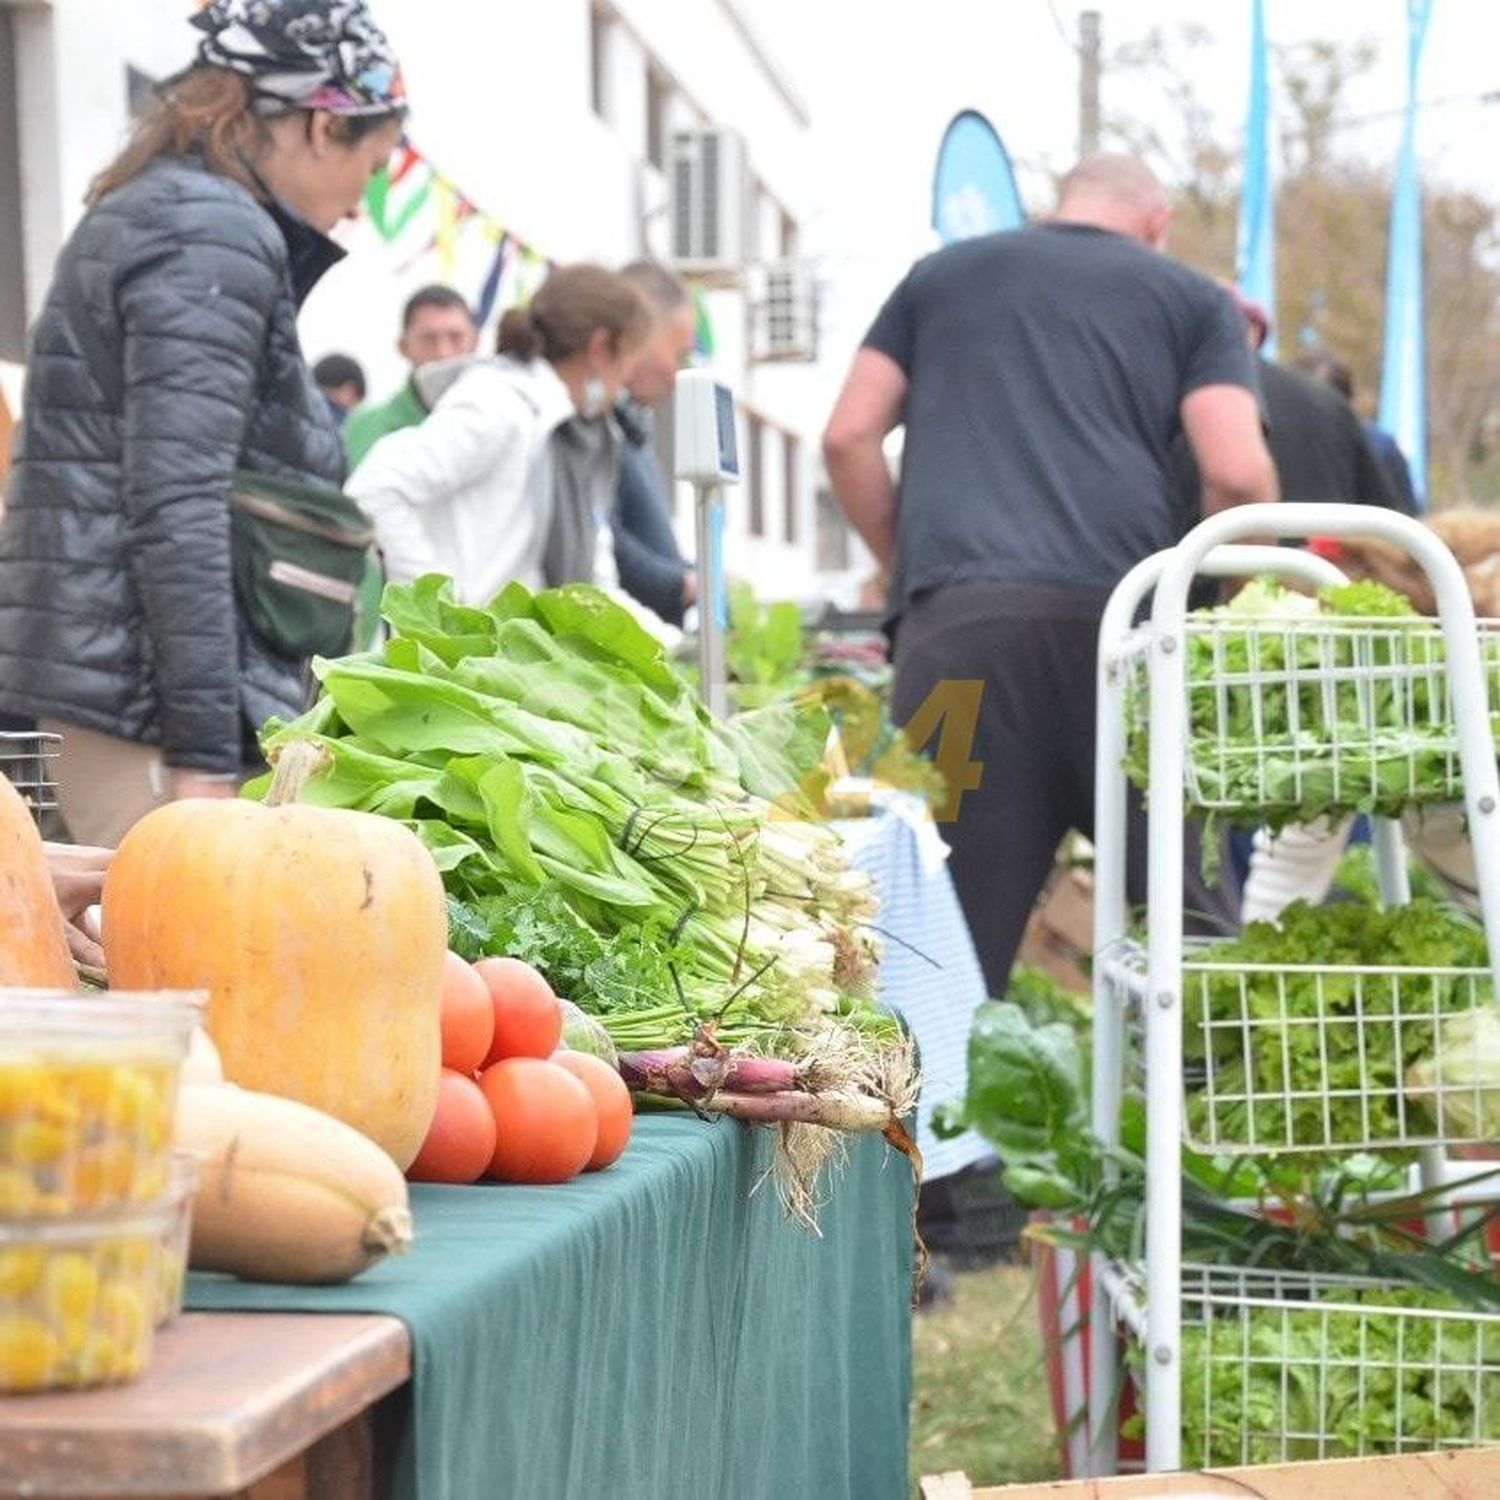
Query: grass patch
pixel 979 1399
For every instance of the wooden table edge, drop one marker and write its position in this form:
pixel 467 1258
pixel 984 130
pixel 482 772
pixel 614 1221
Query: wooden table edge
pixel 202 1455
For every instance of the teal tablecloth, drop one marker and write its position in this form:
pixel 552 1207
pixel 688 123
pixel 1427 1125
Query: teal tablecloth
pixel 657 1330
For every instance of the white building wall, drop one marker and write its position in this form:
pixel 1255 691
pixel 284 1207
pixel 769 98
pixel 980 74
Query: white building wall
pixel 501 95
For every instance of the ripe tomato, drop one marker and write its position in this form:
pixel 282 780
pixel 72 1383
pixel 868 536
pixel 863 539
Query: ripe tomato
pixel 611 1099
pixel 528 1017
pixel 461 1139
pixel 546 1125
pixel 468 1017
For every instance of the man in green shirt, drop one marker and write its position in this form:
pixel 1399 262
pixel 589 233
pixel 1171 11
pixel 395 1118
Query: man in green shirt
pixel 436 324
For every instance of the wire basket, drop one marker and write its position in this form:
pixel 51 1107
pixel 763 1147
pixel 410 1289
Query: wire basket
pixel 1314 1058
pixel 27 761
pixel 1285 1366
pixel 1302 716
pixel 1298 1057
pixel 1307 1057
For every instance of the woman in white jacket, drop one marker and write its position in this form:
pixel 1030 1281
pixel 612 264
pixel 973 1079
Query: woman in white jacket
pixel 487 489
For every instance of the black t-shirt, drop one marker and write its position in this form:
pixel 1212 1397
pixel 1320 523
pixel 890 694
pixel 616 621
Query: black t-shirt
pixel 1318 442
pixel 1046 368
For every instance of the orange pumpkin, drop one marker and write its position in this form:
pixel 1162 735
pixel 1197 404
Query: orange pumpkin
pixel 320 935
pixel 33 939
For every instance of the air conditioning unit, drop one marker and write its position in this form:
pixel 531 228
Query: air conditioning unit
pixel 784 313
pixel 710 202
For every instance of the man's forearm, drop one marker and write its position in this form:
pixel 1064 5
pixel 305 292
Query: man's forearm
pixel 862 481
pixel 1257 486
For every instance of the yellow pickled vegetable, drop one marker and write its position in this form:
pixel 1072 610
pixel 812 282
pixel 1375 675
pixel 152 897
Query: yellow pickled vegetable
pixel 82 1135
pixel 76 1312
pixel 21 1272
pixel 29 1353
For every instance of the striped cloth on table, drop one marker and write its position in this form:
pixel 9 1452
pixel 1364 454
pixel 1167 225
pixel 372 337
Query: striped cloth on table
pixel 929 971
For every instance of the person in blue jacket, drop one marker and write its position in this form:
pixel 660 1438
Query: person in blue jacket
pixel 651 566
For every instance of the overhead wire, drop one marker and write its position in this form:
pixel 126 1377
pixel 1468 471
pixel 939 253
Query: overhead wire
pixel 1069 40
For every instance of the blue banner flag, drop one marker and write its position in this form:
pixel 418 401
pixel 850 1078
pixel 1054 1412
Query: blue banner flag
pixel 1403 371
pixel 1255 250
pixel 973 189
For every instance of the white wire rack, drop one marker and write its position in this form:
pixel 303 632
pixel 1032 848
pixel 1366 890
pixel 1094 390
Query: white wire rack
pixel 27 762
pixel 1311 713
pixel 1260 717
pixel 1285 1366
pixel 1306 1057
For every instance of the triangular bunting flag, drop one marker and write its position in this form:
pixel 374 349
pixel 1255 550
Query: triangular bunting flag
pixel 489 293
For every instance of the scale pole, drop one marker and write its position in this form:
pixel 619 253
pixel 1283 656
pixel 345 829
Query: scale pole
pixel 707 457
pixel 713 602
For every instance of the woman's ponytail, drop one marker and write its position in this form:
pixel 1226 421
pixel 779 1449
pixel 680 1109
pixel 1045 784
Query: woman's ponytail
pixel 519 335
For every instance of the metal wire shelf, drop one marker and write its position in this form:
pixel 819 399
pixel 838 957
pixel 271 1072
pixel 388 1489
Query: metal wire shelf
pixel 1312 713
pixel 1280 721
pixel 27 762
pixel 1285 1366
pixel 1307 1057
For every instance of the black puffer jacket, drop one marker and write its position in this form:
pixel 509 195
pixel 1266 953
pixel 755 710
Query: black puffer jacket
pixel 166 356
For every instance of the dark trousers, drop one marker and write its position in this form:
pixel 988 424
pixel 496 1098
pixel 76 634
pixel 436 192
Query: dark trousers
pixel 1032 646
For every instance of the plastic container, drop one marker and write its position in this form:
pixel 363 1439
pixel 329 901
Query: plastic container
pixel 88 1087
pixel 171 1270
pixel 77 1298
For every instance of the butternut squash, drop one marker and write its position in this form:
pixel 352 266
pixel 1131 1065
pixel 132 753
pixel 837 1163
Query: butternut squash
pixel 320 935
pixel 33 939
pixel 286 1193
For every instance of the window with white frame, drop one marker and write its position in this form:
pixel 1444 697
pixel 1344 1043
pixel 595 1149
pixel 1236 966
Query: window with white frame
pixel 832 551
pixel 658 113
pixel 602 25
pixel 755 475
pixel 791 488
pixel 790 236
pixel 12 238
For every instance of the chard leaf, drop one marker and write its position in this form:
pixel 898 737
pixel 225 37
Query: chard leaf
pixel 425 611
pixel 1026 1088
pixel 778 747
pixel 580 612
pixel 502 793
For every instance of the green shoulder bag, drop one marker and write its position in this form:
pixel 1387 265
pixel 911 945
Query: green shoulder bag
pixel 299 552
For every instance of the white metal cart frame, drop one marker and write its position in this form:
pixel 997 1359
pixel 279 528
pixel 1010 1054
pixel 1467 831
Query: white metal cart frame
pixel 1211 549
pixel 1092 1444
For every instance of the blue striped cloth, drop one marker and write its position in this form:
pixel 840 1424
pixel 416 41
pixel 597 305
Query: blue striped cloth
pixel 929 972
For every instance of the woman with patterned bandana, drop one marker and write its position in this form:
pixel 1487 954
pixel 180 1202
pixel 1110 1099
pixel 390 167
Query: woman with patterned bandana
pixel 164 359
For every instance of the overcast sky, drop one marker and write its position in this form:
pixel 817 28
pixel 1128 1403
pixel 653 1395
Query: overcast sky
pixel 882 79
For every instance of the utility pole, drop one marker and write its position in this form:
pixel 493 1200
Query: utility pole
pixel 1088 82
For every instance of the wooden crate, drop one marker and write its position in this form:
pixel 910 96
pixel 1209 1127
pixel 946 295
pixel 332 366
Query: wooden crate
pixel 1455 1474
pixel 1059 936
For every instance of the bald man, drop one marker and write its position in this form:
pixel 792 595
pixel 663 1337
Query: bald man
pixel 1042 375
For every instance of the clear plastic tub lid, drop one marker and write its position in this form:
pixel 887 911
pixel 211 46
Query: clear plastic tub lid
pixel 64 1022
pixel 135 1221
